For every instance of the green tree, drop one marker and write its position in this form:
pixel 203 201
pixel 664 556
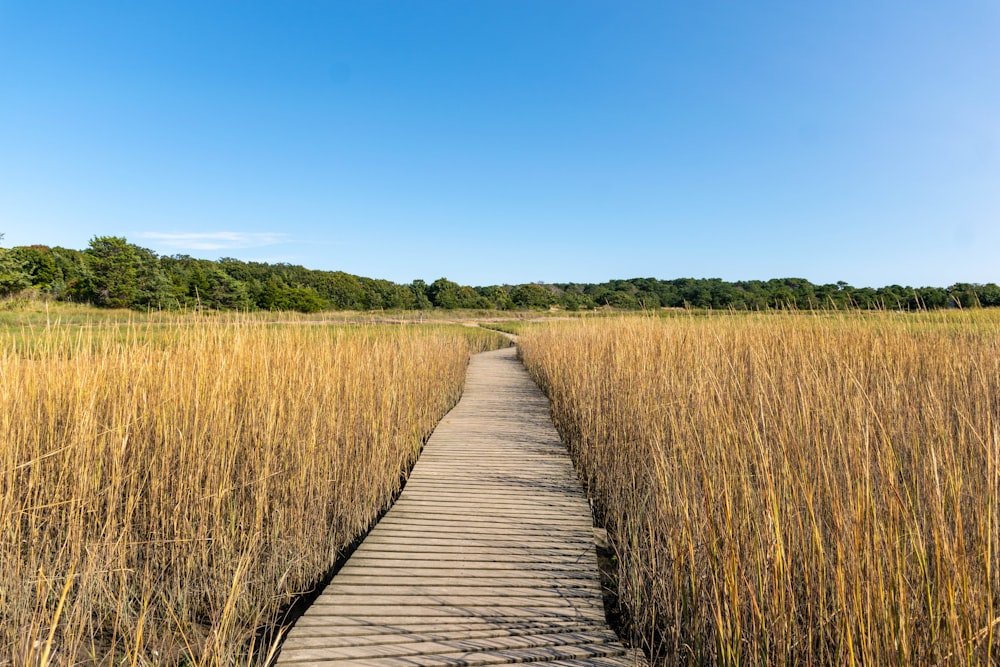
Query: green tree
pixel 114 275
pixel 624 300
pixel 269 297
pixel 38 263
pixel 418 288
pixel 532 295
pixel 864 298
pixel 72 266
pixel 197 285
pixel 648 300
pixel 468 297
pixel 13 278
pixel 342 290
pixel 303 299
pixel 964 295
pixel 278 295
pixel 154 290
pixel 696 293
pixel 384 294
pixel 893 297
pixel 497 296
pixel 223 292
pixel 443 293
pixel 989 294
pixel 576 300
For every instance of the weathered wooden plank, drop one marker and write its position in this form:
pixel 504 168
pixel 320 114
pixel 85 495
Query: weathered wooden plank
pixel 467 578
pixel 425 613
pixel 454 555
pixel 523 519
pixel 323 649
pixel 397 528
pixel 434 544
pixel 447 492
pixel 323 635
pixel 471 532
pixel 486 508
pixel 445 563
pixel 393 603
pixel 464 658
pixel 357 627
pixel 370 591
pixel 488 499
pixel 487 503
pixel 539 538
pixel 482 524
pixel 527 519
pixel 630 659
pixel 544 479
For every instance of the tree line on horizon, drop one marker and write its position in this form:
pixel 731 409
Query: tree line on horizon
pixel 113 273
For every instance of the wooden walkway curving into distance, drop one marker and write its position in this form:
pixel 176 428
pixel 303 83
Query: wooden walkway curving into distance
pixel 486 558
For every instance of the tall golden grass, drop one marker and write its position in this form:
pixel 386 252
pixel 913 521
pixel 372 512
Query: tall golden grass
pixel 792 489
pixel 165 489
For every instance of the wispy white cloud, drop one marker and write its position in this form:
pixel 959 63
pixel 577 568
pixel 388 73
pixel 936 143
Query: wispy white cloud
pixel 215 240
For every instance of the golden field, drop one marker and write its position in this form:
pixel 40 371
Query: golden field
pixel 168 485
pixel 791 488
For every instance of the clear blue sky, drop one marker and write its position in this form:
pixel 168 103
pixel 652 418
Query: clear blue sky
pixel 508 141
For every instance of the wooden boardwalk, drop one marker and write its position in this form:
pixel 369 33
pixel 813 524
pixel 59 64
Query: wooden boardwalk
pixel 486 558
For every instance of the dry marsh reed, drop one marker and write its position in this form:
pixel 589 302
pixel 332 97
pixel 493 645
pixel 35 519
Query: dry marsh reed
pixel 792 489
pixel 165 489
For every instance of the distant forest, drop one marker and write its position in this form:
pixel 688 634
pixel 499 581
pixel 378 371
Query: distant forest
pixel 114 273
